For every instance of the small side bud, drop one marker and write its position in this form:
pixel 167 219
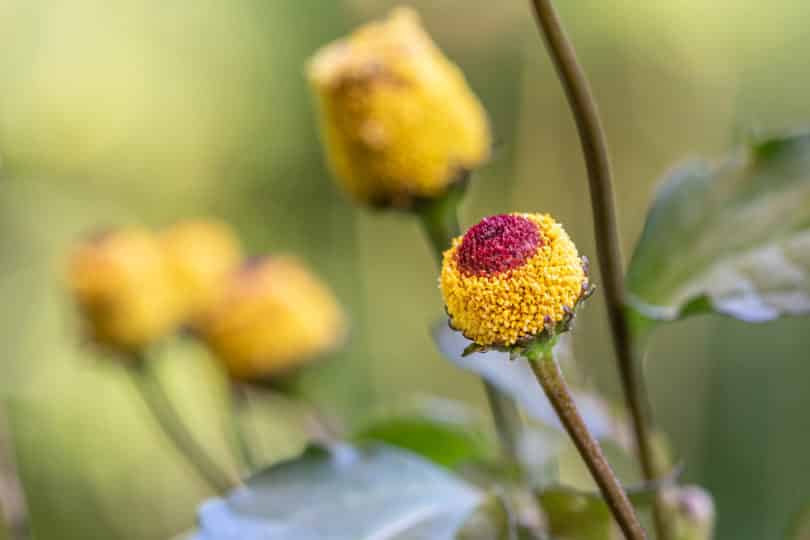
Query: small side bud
pixel 692 510
pixel 122 285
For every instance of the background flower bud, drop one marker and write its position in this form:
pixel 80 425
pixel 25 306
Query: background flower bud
pixel 693 512
pixel 123 287
pixel 275 316
pixel 398 118
pixel 201 255
pixel 510 277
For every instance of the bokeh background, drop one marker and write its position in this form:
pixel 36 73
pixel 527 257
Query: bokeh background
pixel 143 111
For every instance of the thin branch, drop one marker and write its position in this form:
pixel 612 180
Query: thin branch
pixel 594 149
pixel 551 379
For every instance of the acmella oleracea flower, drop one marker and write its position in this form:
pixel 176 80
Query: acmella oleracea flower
pixel 124 289
pixel 511 279
pixel 398 119
pixel 202 254
pixel 274 316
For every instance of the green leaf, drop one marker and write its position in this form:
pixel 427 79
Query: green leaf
pixel 573 516
pixel 516 379
pixel 731 237
pixel 575 509
pixel 345 493
pixel 500 518
pixel 443 431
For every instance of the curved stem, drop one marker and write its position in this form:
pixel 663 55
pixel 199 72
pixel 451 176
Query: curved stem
pixel 594 148
pixel 551 379
pixel 439 218
pixel 175 429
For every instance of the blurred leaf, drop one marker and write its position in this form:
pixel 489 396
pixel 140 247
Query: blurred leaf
pixel 444 431
pixel 575 509
pixel 497 518
pixel 515 378
pixel 343 493
pixel 732 237
pixel 800 528
pixel 490 521
pixel 574 473
pixel 574 516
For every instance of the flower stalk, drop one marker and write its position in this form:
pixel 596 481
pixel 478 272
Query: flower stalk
pixel 175 429
pixel 239 401
pixel 439 219
pixel 550 377
pixel 595 152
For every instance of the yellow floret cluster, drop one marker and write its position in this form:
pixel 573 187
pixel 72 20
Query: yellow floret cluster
pixel 398 118
pixel 274 317
pixel 202 255
pixel 124 289
pixel 501 309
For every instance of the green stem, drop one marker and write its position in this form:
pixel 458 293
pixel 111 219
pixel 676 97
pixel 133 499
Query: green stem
pixel 162 409
pixel 594 148
pixel 439 218
pixel 551 379
pixel 240 402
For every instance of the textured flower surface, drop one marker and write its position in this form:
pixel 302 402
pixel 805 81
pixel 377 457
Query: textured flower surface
pixel 124 289
pixel 398 118
pixel 202 255
pixel 510 277
pixel 274 316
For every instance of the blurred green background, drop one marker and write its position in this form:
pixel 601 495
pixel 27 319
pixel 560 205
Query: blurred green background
pixel 142 111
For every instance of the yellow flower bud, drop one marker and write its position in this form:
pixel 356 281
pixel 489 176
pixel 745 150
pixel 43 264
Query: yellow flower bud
pixel 123 287
pixel 275 316
pixel 398 119
pixel 512 277
pixel 202 255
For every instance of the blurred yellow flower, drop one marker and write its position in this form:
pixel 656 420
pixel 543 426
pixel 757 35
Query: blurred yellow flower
pixel 510 277
pixel 398 119
pixel 202 255
pixel 275 316
pixel 124 290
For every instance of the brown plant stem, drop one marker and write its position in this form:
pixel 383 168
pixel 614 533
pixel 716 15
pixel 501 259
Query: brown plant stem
pixel 594 149
pixel 439 219
pixel 551 379
pixel 173 426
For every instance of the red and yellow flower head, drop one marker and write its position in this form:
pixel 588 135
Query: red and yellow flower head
pixel 510 278
pixel 124 289
pixel 398 119
pixel 275 316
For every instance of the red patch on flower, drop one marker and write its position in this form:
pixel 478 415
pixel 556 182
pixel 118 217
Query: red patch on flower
pixel 497 244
